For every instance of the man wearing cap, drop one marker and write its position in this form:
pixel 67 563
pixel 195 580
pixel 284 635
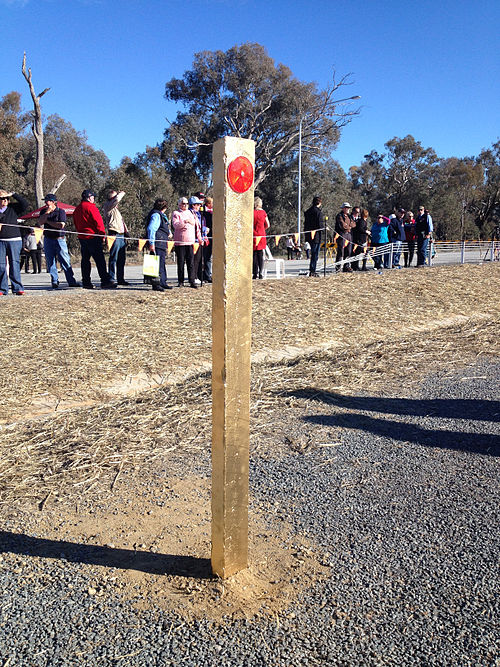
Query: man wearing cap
pixel 396 233
pixel 91 234
pixel 343 226
pixel 53 220
pixel 11 242
pixel 313 224
pixel 117 228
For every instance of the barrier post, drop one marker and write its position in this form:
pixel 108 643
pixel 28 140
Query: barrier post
pixel 233 170
pixel 462 258
pixel 391 255
pixel 324 251
pixel 430 252
pixel 492 251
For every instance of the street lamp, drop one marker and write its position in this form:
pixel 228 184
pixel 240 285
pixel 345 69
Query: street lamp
pixel 345 99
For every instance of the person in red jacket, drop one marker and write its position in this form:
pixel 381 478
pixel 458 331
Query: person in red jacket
pixel 260 226
pixel 91 234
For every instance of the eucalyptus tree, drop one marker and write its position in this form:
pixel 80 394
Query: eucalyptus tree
pixel 243 93
pixel 143 179
pixel 486 207
pixel 13 124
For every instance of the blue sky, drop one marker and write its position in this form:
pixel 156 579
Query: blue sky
pixel 430 69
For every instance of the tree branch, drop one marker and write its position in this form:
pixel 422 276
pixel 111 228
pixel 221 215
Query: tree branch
pixel 57 184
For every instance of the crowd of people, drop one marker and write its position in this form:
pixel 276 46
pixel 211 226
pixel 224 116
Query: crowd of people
pixel 354 236
pixel 189 230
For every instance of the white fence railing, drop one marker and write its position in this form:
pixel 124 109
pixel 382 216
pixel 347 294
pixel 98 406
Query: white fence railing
pixel 438 252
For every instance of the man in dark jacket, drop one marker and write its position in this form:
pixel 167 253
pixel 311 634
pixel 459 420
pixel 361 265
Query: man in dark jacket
pixel 91 234
pixel 11 242
pixel 396 233
pixel 343 226
pixel 53 220
pixel 313 224
pixel 360 236
pixel 423 231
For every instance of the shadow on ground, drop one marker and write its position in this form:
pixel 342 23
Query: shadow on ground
pixel 460 440
pixel 127 559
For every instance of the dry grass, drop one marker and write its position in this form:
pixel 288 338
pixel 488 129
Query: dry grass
pixel 75 348
pixel 366 338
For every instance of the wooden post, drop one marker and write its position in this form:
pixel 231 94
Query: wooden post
pixel 232 233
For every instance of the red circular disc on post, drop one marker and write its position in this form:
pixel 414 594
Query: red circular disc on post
pixel 240 174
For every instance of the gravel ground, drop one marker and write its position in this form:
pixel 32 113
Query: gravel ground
pixel 400 500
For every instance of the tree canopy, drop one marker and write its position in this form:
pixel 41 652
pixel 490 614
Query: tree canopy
pixel 243 93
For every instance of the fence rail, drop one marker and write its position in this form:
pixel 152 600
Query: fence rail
pixel 438 252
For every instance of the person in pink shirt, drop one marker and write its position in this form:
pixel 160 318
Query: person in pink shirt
pixel 184 225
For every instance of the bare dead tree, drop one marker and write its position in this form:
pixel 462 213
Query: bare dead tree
pixel 57 184
pixel 37 129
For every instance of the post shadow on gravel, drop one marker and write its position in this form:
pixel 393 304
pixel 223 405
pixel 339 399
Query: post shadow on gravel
pixel 473 410
pixel 126 559
pixel 452 408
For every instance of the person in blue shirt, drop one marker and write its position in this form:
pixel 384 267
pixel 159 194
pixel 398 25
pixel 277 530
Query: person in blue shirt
pixel 380 237
pixel 158 233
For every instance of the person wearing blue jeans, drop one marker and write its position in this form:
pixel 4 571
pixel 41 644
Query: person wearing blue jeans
pixel 53 220
pixel 117 228
pixel 56 250
pixel 11 242
pixel 379 234
pixel 12 251
pixel 397 235
pixel 423 229
pixel 314 258
pixel 117 256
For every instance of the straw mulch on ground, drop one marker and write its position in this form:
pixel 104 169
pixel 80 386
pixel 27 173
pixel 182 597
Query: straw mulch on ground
pixel 348 333
pixel 78 348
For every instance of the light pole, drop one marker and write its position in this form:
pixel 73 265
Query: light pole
pixel 345 99
pixel 300 176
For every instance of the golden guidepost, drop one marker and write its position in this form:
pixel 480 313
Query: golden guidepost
pixel 233 161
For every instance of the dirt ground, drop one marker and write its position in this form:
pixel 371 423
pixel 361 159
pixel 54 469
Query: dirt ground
pixel 105 439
